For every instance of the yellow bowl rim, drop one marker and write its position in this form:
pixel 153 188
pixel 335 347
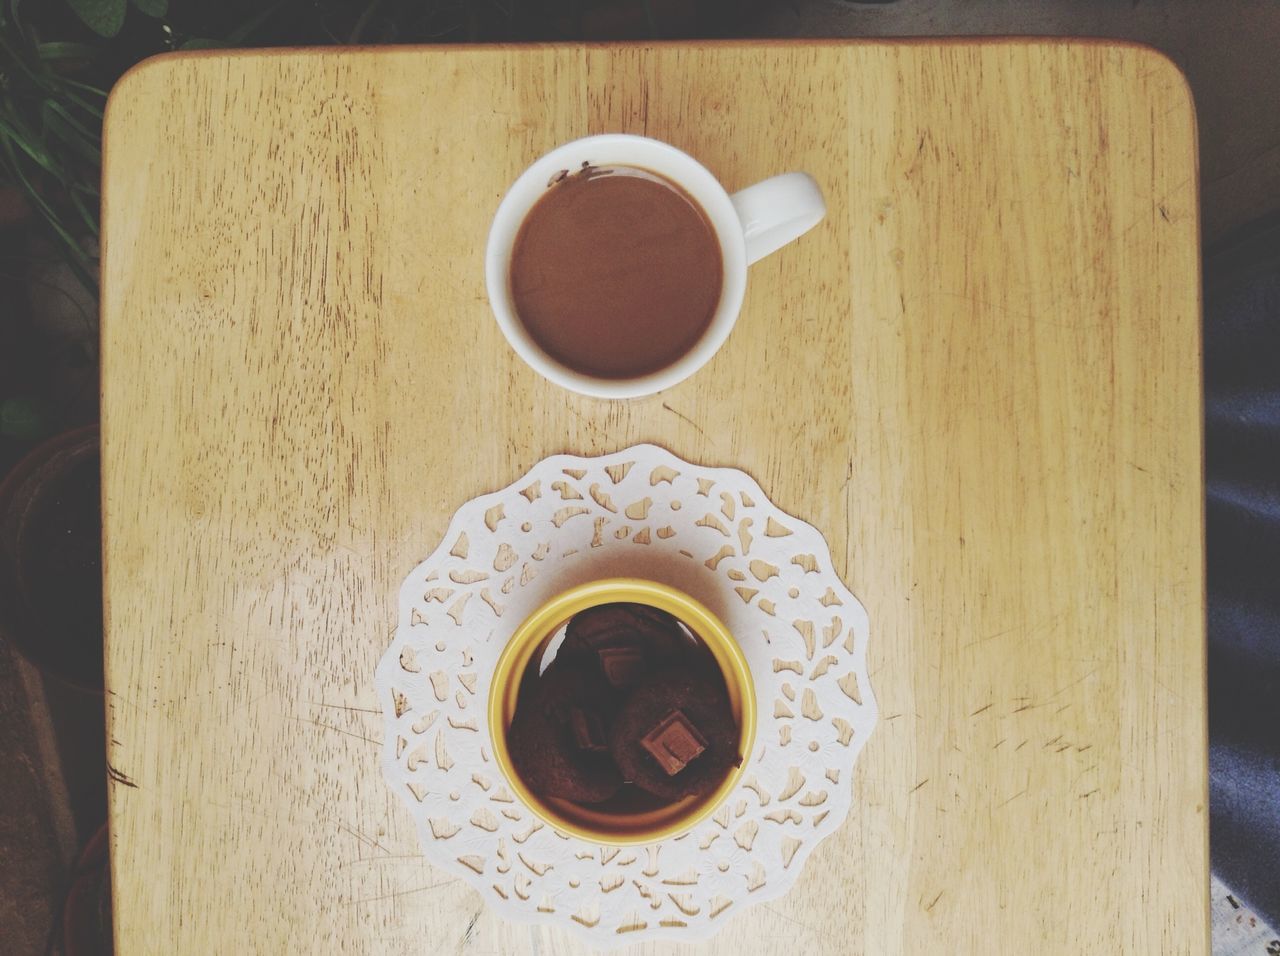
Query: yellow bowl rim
pixel 531 636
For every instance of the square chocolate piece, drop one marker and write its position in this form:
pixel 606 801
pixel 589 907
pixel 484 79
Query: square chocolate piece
pixel 588 731
pixel 674 743
pixel 622 666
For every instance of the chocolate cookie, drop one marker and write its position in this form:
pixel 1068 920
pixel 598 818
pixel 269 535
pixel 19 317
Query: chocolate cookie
pixel 558 737
pixel 625 641
pixel 567 683
pixel 675 736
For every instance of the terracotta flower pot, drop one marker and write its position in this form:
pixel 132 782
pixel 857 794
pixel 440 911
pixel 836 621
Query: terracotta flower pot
pixel 51 558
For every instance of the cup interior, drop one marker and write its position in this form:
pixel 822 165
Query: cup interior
pixel 616 150
pixel 527 646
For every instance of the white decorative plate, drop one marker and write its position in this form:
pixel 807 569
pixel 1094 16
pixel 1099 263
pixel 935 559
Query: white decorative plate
pixel 710 532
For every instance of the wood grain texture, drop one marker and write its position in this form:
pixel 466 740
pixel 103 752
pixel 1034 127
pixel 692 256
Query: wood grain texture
pixel 980 377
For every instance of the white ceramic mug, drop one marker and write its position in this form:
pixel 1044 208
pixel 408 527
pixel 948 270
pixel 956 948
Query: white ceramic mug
pixel 749 225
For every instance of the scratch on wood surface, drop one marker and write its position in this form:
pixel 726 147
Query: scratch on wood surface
pixel 795 922
pixel 336 730
pixel 1066 687
pixel 381 858
pixel 687 420
pixel 1089 769
pixel 361 836
pixel 471 925
pixel 354 710
pixel 397 893
pixel 119 777
pixel 116 696
pixel 990 637
pixel 1020 793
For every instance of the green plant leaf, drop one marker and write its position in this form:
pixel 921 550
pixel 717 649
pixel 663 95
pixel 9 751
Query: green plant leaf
pixel 86 105
pixel 13 58
pixel 239 35
pixel 242 32
pixel 87 215
pixel 73 142
pixel 51 105
pixel 103 17
pixel 60 120
pixel 22 418
pixel 28 142
pixel 66 51
pixel 94 91
pixel 81 264
pixel 152 8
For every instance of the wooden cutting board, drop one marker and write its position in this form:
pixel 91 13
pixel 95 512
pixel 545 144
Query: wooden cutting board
pixel 979 377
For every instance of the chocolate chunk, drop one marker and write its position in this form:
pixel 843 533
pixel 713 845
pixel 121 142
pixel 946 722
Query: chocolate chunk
pixel 622 666
pixel 597 626
pixel 704 705
pixel 588 730
pixel 674 743
pixel 654 633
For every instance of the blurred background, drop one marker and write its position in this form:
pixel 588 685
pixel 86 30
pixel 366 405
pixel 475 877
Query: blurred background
pixel 58 60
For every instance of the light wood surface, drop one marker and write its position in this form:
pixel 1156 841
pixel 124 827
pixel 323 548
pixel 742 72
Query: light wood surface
pixel 979 377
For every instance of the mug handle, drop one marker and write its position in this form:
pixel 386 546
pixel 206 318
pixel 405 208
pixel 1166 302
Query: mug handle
pixel 777 210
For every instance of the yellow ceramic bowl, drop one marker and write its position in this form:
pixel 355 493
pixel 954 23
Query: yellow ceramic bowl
pixel 528 643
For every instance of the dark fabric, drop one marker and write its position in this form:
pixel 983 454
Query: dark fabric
pixel 1242 462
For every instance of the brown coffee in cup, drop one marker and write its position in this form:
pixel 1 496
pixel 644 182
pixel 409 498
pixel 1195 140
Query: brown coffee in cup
pixel 616 272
